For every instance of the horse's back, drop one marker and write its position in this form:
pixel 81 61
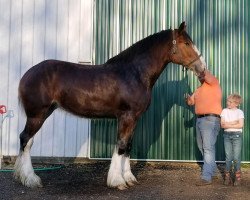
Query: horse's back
pixel 49 71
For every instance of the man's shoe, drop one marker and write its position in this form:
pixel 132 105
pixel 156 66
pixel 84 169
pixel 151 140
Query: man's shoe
pixel 216 174
pixel 216 177
pixel 203 182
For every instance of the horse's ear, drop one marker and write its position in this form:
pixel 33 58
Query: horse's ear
pixel 182 27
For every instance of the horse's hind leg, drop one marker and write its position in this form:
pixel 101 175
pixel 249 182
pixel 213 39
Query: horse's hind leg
pixel 23 166
pixel 120 175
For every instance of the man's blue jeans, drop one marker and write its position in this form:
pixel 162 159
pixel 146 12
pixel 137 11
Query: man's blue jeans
pixel 233 144
pixel 207 129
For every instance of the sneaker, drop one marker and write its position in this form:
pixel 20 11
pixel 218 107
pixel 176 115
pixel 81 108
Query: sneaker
pixel 203 182
pixel 237 181
pixel 227 180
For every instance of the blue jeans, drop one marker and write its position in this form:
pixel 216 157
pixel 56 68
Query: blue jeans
pixel 233 144
pixel 207 129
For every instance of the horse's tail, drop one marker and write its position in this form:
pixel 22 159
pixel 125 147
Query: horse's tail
pixel 20 100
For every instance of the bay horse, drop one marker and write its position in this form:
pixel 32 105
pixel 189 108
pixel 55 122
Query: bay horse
pixel 120 88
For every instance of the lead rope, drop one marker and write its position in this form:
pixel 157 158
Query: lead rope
pixel 186 91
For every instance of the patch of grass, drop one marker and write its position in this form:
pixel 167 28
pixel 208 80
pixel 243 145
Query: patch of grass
pixel 245 165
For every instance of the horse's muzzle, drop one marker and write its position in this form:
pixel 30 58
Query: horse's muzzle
pixel 200 70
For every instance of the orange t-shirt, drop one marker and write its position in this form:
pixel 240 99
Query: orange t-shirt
pixel 207 98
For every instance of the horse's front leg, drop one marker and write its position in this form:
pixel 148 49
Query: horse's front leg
pixel 120 175
pixel 127 174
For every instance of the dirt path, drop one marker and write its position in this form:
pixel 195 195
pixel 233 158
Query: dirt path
pixel 156 181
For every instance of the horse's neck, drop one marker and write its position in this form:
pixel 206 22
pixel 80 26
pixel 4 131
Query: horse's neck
pixel 155 65
pixel 149 57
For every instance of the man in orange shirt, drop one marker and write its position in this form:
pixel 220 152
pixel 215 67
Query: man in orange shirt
pixel 207 101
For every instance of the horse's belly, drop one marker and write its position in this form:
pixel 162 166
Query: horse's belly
pixel 89 108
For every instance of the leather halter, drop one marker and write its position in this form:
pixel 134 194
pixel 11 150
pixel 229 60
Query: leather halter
pixel 188 65
pixel 175 50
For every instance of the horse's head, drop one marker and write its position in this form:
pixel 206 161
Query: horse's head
pixel 184 52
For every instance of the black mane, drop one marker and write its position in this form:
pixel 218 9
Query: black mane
pixel 141 47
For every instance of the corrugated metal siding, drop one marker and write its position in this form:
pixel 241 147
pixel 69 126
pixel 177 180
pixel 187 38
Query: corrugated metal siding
pixel 32 31
pixel 220 29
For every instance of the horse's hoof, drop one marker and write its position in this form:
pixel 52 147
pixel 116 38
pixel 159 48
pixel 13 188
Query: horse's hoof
pixel 132 183
pixel 130 179
pixel 122 187
pixel 33 185
pixel 33 181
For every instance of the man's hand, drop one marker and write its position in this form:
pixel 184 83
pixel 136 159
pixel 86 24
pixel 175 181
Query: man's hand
pixel 188 99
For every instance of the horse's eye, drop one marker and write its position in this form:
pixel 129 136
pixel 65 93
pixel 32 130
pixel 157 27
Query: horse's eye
pixel 186 43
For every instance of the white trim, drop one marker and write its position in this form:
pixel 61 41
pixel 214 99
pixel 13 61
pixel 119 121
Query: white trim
pixel 157 160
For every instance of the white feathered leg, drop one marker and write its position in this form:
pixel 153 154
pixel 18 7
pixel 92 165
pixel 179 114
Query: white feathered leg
pixel 115 178
pixel 127 174
pixel 24 170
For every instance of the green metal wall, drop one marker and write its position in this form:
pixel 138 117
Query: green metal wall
pixel 219 28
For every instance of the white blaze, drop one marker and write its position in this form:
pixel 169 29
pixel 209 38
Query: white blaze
pixel 201 58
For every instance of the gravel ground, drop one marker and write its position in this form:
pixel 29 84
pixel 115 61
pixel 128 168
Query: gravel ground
pixel 161 180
